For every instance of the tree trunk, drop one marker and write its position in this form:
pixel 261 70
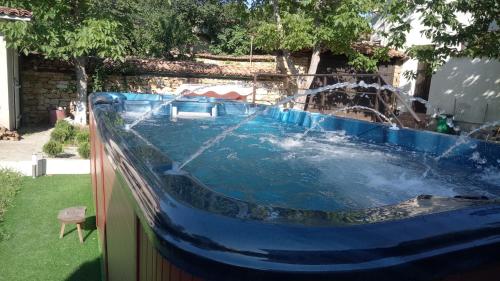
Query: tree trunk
pixel 304 83
pixel 284 62
pixel 81 89
pixel 277 17
pixel 286 65
pixel 280 59
pixel 313 67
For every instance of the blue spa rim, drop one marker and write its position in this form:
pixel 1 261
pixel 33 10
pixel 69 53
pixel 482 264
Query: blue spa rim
pixel 231 237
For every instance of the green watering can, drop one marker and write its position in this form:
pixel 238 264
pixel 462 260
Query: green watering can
pixel 445 124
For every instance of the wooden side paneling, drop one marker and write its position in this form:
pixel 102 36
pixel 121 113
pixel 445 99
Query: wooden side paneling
pixel 149 265
pixel 121 237
pixel 99 189
pixel 127 252
pixel 109 179
pixel 92 161
pixel 153 267
pixel 98 181
pixel 165 270
pixel 159 266
pixel 143 253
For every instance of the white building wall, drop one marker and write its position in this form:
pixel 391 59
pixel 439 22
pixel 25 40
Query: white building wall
pixel 8 59
pixel 413 38
pixel 467 88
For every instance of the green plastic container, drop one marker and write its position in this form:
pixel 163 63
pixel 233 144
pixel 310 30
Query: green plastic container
pixel 442 124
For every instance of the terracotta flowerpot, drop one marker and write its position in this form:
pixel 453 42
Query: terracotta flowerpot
pixel 55 115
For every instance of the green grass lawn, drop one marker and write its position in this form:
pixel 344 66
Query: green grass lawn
pixel 32 249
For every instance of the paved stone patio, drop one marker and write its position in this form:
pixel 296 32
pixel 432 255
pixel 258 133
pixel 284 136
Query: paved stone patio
pixel 31 142
pixel 16 155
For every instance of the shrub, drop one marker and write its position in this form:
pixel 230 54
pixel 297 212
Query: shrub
pixel 53 148
pixel 82 136
pixel 63 132
pixel 59 135
pixel 84 150
pixel 10 183
pixel 63 124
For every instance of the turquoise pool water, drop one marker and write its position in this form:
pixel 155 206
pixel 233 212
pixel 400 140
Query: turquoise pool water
pixel 272 163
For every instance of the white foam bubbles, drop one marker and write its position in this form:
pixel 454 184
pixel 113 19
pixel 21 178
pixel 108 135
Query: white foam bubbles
pixel 491 175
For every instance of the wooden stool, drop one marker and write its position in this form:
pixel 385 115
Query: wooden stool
pixel 74 215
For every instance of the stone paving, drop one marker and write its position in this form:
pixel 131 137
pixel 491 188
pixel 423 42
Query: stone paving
pixel 31 142
pixel 17 155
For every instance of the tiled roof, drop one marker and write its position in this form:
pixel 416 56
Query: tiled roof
pixel 269 58
pixel 368 48
pixel 192 68
pixel 14 12
pixel 364 47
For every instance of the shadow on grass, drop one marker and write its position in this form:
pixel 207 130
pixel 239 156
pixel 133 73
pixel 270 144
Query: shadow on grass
pixel 89 225
pixel 89 271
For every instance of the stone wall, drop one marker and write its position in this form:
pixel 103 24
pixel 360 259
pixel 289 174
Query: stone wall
pixel 390 73
pixel 266 65
pixel 42 91
pixel 266 91
pixel 47 84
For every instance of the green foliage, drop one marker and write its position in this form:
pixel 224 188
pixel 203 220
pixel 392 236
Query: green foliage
pixel 64 125
pixel 59 135
pixel 10 185
pixel 157 29
pixel 267 37
pixel 450 36
pixel 305 24
pixel 63 132
pixel 333 25
pixel 232 40
pixel 98 79
pixel 67 29
pixel 84 150
pixel 34 229
pixel 298 31
pixel 175 35
pixel 82 136
pixel 11 182
pixel 362 62
pixel 52 148
pixel 165 28
pixel 73 31
pixel 369 64
pixel 381 54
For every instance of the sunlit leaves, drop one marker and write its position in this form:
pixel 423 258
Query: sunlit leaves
pixel 298 31
pixel 67 29
pixel 333 25
pixel 456 28
pixel 233 40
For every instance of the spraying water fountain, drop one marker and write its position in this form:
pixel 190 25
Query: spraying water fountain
pixel 177 167
pixel 222 136
pixel 464 139
pixel 257 192
pixel 232 129
pixel 322 119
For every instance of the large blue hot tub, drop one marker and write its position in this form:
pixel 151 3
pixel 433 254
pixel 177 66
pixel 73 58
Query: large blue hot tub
pixel 259 199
